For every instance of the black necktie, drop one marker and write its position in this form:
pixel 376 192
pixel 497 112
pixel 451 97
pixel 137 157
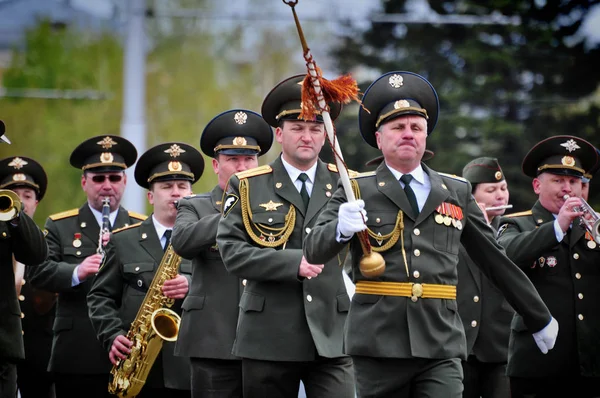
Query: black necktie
pixel 303 191
pixel 410 194
pixel 167 235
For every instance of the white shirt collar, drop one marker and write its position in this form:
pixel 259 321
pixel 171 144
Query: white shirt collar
pixel 294 172
pixel 418 173
pixel 98 216
pixel 160 229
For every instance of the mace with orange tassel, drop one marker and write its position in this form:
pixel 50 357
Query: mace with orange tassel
pixel 316 93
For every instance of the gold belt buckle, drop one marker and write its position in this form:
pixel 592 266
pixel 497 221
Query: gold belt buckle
pixel 417 291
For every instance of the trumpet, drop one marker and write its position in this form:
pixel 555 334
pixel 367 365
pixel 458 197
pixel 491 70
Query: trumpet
pixel 498 207
pixel 10 205
pixel 590 219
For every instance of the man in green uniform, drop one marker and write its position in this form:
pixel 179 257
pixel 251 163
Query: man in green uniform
pixel 234 139
pixel 561 259
pixel 404 332
pixel 27 178
pixel 484 312
pixel 78 360
pixel 292 312
pixel 20 241
pixel 132 260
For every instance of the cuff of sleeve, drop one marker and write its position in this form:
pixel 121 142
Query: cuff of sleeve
pixel 558 232
pixel 74 278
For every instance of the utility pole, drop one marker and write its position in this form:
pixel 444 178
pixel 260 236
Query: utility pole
pixel 133 123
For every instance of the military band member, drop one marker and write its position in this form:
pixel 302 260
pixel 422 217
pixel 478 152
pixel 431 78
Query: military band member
pixel 78 360
pixel 27 178
pixel 485 314
pixel 404 332
pixel 21 241
pixel 292 312
pixel 234 139
pixel 134 253
pixel 587 177
pixel 561 259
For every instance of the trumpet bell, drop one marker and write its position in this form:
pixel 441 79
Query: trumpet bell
pixel 10 205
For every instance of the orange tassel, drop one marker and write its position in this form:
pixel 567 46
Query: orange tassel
pixel 343 90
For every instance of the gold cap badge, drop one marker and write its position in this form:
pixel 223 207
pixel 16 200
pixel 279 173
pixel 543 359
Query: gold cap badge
pixel 174 166
pixel 19 177
pixel 570 145
pixel 107 143
pixel 401 104
pixel 568 161
pixel 239 141
pixel 175 150
pixel 106 157
pixel 498 175
pixel 396 81
pixel 17 163
pixel 240 117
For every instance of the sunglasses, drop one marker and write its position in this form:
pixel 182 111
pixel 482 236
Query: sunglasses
pixel 99 179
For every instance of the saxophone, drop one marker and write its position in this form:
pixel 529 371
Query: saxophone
pixel 153 324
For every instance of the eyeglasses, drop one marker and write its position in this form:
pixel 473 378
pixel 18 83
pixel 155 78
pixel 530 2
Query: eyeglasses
pixel 100 178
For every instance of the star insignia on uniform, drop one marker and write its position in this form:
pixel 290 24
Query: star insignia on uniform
pixel 240 117
pixel 270 206
pixel 18 163
pixel 396 81
pixel 106 143
pixel 175 150
pixel 570 145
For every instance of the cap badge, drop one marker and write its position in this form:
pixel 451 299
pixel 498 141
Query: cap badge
pixel 239 141
pixel 401 104
pixel 174 166
pixel 568 161
pixel 175 150
pixel 240 117
pixel 396 81
pixel 106 143
pixel 19 177
pixel 270 206
pixel 17 163
pixel 106 157
pixel 498 175
pixel 570 145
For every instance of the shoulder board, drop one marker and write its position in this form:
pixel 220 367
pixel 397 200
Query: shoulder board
pixel 520 214
pixel 139 216
pixel 362 175
pixel 254 172
pixel 64 214
pixel 127 227
pixel 333 168
pixel 453 176
pixel 198 195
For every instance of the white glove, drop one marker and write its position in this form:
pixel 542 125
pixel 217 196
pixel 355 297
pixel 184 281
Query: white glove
pixel 350 218
pixel 546 337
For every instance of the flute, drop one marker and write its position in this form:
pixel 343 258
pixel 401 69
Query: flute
pixel 498 207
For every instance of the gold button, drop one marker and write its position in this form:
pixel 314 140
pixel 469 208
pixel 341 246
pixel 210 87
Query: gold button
pixel 22 315
pixel 476 299
pixel 137 268
pixel 4 234
pixel 22 333
pixel 580 317
pixel 78 253
pixel 378 220
pixel 576 256
pixel 270 220
pixel 22 282
pixel 21 297
pixel 416 231
pixel 144 236
pixel 126 225
pixel 414 299
pixel 307 230
pixel 580 295
pixel 244 282
pixel 140 283
pixel 444 186
pixel 416 274
pixel 473 324
pixel 578 275
pixel 309 298
pixel 83 225
pixel 417 252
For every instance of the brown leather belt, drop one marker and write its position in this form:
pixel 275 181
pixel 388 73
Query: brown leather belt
pixel 407 289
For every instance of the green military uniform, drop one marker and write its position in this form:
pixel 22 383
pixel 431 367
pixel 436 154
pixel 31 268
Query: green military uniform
pixel 566 276
pixel 210 311
pixel 37 306
pixel 405 322
pixel 132 261
pixel 485 313
pixel 77 356
pixel 286 323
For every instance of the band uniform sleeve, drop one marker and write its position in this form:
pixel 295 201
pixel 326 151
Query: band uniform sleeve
pixel 29 247
pixel 246 259
pixel 53 274
pixel 192 233
pixel 524 247
pixel 104 299
pixel 479 241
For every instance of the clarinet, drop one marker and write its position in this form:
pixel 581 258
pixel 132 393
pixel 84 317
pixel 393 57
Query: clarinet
pixel 105 226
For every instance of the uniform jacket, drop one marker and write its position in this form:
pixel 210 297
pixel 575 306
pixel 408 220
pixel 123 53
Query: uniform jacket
pixel 210 310
pixel 485 314
pixel 397 327
pixel 567 277
pixel 132 258
pixel 282 316
pixel 75 348
pixel 26 243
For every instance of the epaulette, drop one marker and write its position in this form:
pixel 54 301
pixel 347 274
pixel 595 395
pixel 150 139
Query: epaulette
pixel 333 168
pixel 453 176
pixel 64 214
pixel 198 195
pixel 520 214
pixel 127 227
pixel 365 174
pixel 266 169
pixel 138 216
